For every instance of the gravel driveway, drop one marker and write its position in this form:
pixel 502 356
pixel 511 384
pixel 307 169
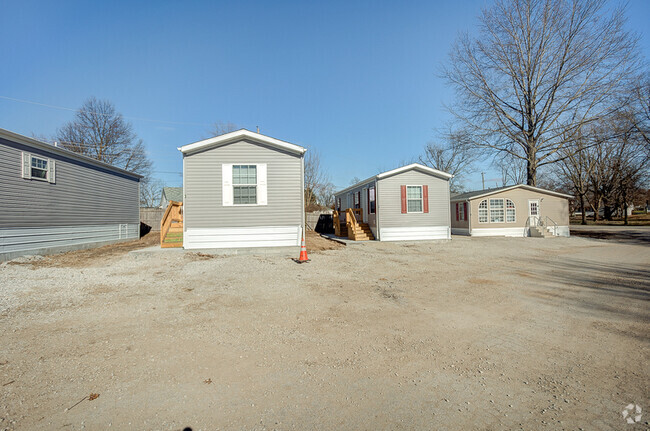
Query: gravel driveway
pixel 476 333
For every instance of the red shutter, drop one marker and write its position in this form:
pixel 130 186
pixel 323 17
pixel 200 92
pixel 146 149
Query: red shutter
pixel 403 199
pixel 465 210
pixel 457 211
pixel 425 198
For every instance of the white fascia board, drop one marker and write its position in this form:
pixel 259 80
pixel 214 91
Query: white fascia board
pixel 354 186
pixel 415 166
pixel 523 186
pixel 35 143
pixel 239 134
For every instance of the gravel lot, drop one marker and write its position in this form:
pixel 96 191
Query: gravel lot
pixel 481 333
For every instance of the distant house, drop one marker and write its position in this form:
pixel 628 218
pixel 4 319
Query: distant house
pixel 55 200
pixel 242 189
pixel 407 203
pixel 518 210
pixel 169 194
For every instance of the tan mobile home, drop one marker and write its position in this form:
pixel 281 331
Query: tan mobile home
pixel 518 210
pixel 407 203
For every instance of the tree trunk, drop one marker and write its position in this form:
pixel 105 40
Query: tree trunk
pixel 582 210
pixel 531 170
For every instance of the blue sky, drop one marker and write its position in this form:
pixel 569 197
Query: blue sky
pixel 356 81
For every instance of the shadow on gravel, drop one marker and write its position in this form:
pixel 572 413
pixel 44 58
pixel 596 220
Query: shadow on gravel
pixel 600 288
pixel 623 235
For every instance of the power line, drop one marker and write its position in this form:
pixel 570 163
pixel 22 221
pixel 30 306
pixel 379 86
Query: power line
pixel 178 123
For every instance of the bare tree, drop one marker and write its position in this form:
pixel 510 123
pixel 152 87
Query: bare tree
pixel 317 183
pixel 455 155
pixel 221 128
pixel 538 71
pixel 100 132
pixel 150 192
pixel 577 167
pixel 513 169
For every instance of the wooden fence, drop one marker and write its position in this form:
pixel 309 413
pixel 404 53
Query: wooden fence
pixel 320 221
pixel 152 217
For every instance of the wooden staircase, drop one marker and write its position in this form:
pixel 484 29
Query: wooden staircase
pixel 171 226
pixel 348 225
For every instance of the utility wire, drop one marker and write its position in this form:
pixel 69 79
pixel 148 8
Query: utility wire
pixel 179 123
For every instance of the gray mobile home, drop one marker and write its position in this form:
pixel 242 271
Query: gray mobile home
pixel 242 189
pixel 407 203
pixel 55 200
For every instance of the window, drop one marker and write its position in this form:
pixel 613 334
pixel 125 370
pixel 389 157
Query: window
pixel 39 168
pixel 357 200
pixel 496 211
pixel 414 199
pixel 461 211
pixel 510 211
pixel 372 207
pixel 483 212
pixel 244 181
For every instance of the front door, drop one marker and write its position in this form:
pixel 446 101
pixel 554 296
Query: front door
pixel 533 212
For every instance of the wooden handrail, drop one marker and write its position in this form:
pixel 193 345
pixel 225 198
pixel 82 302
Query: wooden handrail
pixel 351 220
pixel 172 213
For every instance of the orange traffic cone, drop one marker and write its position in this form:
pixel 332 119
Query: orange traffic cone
pixel 303 252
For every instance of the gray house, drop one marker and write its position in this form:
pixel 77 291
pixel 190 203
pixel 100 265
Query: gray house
pixel 242 189
pixel 407 203
pixel 169 194
pixel 55 200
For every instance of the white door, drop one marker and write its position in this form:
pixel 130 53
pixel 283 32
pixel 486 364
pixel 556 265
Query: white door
pixel 533 212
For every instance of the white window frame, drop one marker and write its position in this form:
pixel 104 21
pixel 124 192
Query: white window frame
pixel 50 170
pixel 461 211
pixel 372 198
pixel 486 209
pixel 244 185
pixel 513 209
pixel 421 199
pixel 228 188
pixel 502 209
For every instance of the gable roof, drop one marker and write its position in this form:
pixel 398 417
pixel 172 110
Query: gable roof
pixel 35 143
pixel 418 166
pixel 237 135
pixel 481 193
pixel 173 193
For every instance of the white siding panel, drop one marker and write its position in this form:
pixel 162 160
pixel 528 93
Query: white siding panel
pixel 510 231
pixel 414 233
pixel 264 236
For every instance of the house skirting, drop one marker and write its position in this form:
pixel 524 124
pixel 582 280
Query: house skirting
pixel 510 231
pixel 414 233
pixel 20 241
pixel 242 237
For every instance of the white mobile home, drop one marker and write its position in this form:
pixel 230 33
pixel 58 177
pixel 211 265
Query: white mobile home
pixel 407 203
pixel 55 200
pixel 242 189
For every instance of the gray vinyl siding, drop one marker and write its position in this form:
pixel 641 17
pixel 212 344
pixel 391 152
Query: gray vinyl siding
pixel 83 194
pixel 389 201
pixel 202 203
pixel 369 218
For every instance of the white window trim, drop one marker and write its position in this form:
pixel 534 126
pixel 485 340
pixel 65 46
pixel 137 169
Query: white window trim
pixel 487 209
pixel 374 195
pixel 514 208
pixel 461 211
pixel 50 172
pixel 229 187
pixel 421 199
pixel 503 208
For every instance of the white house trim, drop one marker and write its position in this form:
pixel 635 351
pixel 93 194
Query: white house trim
pixel 414 233
pixel 500 231
pixel 231 137
pixel 415 166
pixel 242 237
pixel 461 197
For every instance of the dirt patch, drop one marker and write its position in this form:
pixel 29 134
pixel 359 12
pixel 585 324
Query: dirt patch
pixel 316 243
pixel 92 256
pixel 491 334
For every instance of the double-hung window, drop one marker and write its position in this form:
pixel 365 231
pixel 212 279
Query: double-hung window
pixel 414 199
pixel 483 211
pixel 38 168
pixel 497 211
pixel 244 183
pixel 372 200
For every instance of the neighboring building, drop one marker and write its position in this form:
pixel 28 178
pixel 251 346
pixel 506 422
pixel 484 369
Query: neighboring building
pixel 55 200
pixel 518 210
pixel 242 189
pixel 170 194
pixel 408 203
